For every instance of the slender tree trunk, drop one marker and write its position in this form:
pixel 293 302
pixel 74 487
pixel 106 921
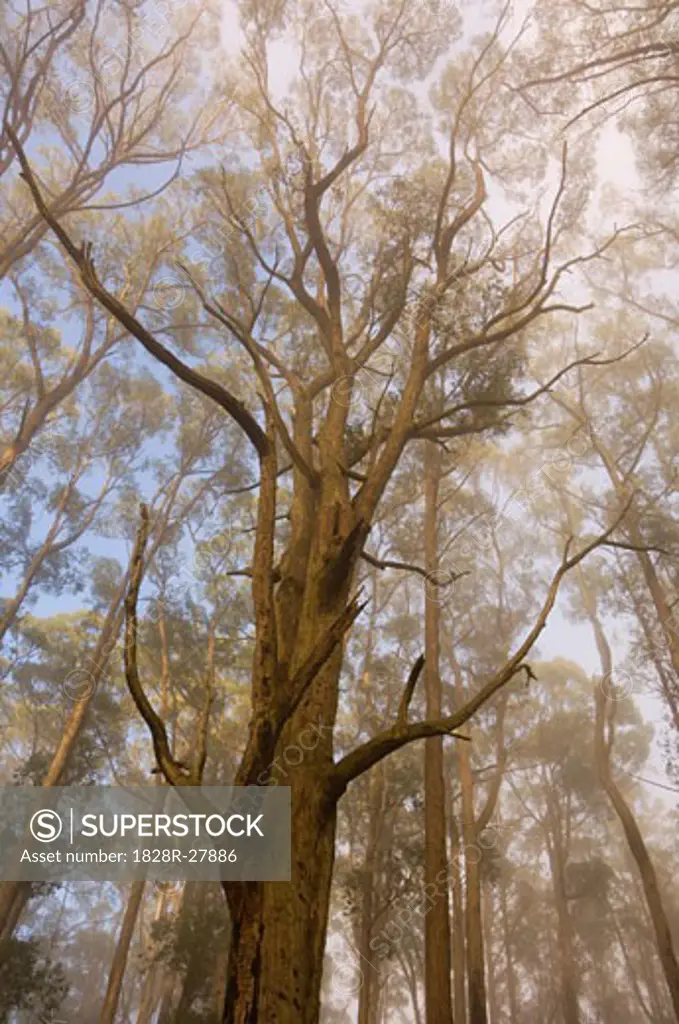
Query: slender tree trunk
pixel 221 968
pixel 603 745
pixel 150 990
pixel 366 997
pixel 659 999
pixel 149 996
pixel 410 973
pixel 493 1007
pixel 438 1000
pixel 661 927
pixel 653 583
pixel 165 1015
pixel 509 954
pixel 369 991
pixel 569 988
pixel 458 925
pixel 648 1013
pixel 637 846
pixel 117 973
pixel 476 985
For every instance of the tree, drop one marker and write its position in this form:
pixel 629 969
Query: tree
pixel 612 60
pixel 377 303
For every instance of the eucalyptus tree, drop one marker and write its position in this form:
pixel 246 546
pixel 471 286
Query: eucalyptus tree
pixel 360 249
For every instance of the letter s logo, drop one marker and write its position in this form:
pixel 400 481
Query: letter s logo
pixel 46 826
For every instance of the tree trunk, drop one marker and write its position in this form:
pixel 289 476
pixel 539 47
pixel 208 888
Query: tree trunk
pixel 602 747
pixel 438 999
pixel 487 900
pixel 195 894
pixel 476 985
pixel 369 990
pixel 509 954
pixel 366 997
pixel 115 979
pixel 167 1001
pixel 410 972
pixel 648 1013
pixel 278 936
pixel 149 996
pixel 221 969
pixel 458 925
pixel 569 990
pixel 637 846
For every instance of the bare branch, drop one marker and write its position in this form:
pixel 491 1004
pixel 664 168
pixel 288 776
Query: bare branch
pixel 408 567
pixel 176 774
pixel 364 757
pixel 82 257
pixel 404 704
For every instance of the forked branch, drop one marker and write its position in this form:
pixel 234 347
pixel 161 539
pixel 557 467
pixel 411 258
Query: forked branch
pixel 82 257
pixel 401 733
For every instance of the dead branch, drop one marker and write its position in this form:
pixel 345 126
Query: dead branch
pixel 368 754
pixel 175 773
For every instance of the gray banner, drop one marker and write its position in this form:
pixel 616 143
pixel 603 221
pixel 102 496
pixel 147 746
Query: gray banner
pixel 115 834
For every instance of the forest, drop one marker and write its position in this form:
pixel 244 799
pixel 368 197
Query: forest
pixel 339 453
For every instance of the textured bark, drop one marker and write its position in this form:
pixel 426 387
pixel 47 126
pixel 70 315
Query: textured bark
pixel 220 982
pixel 117 973
pixel 438 999
pixel 278 935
